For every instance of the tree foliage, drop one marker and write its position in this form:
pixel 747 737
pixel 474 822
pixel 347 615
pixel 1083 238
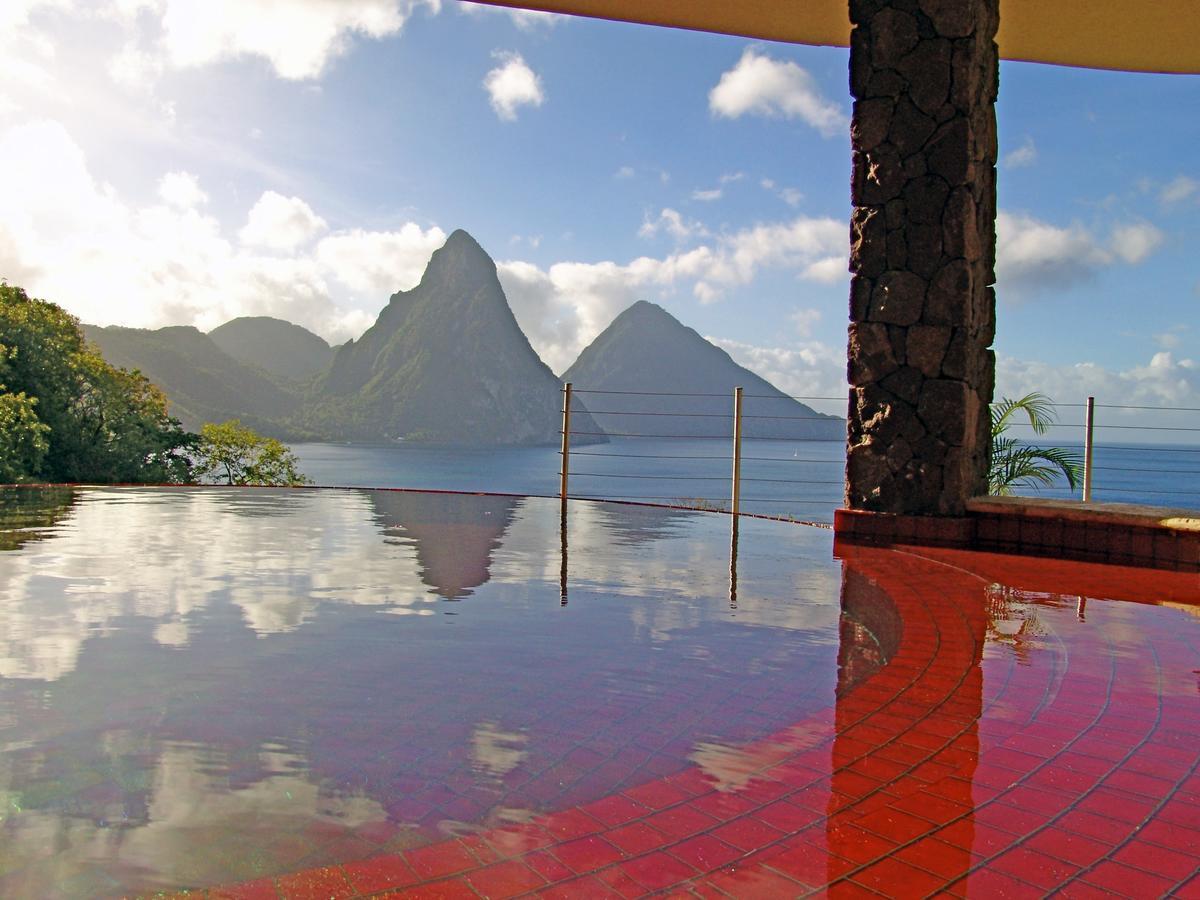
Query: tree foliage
pixel 230 453
pixel 23 441
pixel 73 416
pixel 1016 464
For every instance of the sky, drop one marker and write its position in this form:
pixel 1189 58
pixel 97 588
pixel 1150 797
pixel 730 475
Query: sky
pixel 168 162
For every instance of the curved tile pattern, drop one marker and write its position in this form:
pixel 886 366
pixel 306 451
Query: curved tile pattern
pixel 1019 741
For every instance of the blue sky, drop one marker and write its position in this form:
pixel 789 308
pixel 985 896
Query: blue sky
pixel 183 162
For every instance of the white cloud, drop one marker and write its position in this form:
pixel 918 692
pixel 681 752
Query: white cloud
pixel 379 263
pixel 828 270
pixel 1136 241
pixel 134 67
pixel 1164 381
pixel 809 370
pixel 532 240
pixel 564 307
pixel 1179 189
pixel 511 85
pixel 281 223
pixel 674 224
pixel 1171 340
pixel 1022 156
pixel 69 238
pixel 804 320
pixel 524 19
pixel 760 85
pixel 1032 255
pixel 181 190
pixel 799 244
pixel 297 37
pixel 624 172
pixel 791 196
pixel 706 196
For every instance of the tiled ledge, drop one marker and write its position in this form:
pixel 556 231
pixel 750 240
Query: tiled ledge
pixel 1092 532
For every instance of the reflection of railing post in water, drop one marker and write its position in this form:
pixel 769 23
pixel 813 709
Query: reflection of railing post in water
pixel 736 499
pixel 733 559
pixel 562 548
pixel 1087 450
pixel 737 451
pixel 562 490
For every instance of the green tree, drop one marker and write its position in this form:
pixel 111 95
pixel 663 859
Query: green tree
pixel 231 453
pixel 1017 464
pixel 98 423
pixel 22 437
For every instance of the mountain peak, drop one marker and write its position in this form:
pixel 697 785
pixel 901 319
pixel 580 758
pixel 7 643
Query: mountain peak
pixel 445 361
pixel 644 309
pixel 460 242
pixel 646 350
pixel 460 256
pixel 461 236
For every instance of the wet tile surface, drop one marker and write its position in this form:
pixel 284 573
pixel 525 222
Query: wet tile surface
pixel 999 726
pixel 1018 743
pixel 306 679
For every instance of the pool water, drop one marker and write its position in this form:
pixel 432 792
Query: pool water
pixel 338 693
pixel 204 686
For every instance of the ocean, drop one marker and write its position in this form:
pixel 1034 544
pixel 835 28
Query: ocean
pixel 798 479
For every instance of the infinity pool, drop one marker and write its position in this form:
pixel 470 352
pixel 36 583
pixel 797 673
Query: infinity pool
pixel 340 693
pixel 202 686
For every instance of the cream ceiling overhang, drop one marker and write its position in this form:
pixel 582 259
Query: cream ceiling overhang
pixel 1133 35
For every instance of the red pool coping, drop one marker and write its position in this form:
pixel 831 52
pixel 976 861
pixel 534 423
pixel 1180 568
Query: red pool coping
pixel 1118 533
pixel 1075 772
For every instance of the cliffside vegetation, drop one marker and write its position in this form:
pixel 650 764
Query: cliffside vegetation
pixel 68 415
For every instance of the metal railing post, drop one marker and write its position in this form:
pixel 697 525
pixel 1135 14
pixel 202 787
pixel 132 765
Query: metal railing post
pixel 737 449
pixel 1087 450
pixel 566 441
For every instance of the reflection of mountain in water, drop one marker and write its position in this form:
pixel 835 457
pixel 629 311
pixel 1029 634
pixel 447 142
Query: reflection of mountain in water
pixel 27 514
pixel 454 535
pixel 633 525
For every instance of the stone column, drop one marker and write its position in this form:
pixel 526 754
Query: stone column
pixel 923 74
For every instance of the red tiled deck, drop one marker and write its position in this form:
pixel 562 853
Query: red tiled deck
pixel 1013 745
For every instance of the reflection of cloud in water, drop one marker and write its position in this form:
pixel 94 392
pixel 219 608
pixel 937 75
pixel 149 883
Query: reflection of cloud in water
pixel 497 752
pixel 198 830
pixel 445 723
pixel 629 524
pixel 672 560
pixel 732 768
pixel 166 554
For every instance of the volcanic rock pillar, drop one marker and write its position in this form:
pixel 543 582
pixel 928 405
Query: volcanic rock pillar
pixel 923 74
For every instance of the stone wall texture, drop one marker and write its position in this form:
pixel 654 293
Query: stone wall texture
pixel 923 74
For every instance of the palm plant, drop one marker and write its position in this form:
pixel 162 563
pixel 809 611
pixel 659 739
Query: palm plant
pixel 1016 464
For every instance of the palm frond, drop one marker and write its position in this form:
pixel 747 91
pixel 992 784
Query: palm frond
pixel 1037 407
pixel 1015 464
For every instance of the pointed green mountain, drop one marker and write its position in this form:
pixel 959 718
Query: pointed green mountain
pixel 646 349
pixel 445 362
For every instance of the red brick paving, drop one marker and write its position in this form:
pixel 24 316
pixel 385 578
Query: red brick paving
pixel 1004 748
